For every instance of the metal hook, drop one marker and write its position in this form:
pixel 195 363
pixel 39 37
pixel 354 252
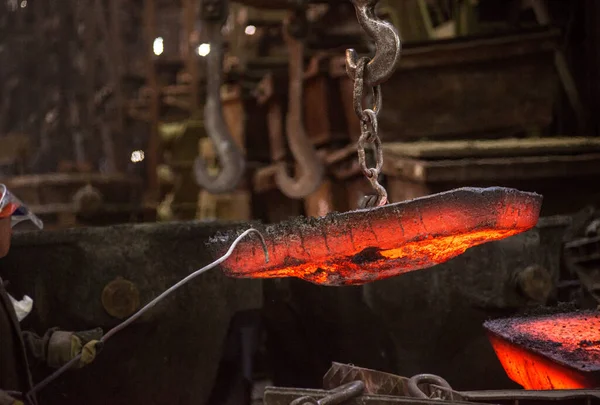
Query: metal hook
pixel 387 42
pixel 231 157
pixel 310 166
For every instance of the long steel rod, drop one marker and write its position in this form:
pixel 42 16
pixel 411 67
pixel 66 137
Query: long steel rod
pixel 148 306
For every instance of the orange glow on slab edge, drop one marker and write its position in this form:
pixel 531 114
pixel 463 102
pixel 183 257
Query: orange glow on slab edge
pixel 534 372
pixel 553 351
pixel 417 254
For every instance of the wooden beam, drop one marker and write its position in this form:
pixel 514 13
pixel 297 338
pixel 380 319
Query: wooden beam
pixel 493 169
pixel 508 147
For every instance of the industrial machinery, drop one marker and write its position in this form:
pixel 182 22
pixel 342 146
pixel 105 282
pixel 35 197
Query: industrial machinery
pixel 393 283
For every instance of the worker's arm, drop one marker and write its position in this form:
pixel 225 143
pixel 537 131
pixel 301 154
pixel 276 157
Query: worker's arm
pixel 56 348
pixel 37 346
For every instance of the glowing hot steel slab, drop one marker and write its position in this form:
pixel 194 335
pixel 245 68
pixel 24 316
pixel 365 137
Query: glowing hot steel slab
pixel 362 246
pixel 559 351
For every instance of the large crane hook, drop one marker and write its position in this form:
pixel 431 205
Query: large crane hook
pixel 387 42
pixel 310 168
pixel 231 158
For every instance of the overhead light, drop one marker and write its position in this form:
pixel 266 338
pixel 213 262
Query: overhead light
pixel 137 156
pixel 250 30
pixel 158 46
pixel 24 4
pixel 204 49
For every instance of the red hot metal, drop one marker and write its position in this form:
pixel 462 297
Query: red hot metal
pixel 549 352
pixel 363 246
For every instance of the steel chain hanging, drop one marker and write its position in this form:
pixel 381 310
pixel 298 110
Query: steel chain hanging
pixel 370 73
pixel 369 135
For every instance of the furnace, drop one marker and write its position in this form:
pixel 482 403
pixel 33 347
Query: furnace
pixel 547 352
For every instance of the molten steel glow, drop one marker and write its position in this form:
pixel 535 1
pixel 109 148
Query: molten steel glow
pixel 560 351
pixel 366 245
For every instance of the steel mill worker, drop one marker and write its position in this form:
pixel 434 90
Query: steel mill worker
pixel 20 350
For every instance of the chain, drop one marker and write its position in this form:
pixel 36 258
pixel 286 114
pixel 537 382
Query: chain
pixel 369 135
pixel 433 381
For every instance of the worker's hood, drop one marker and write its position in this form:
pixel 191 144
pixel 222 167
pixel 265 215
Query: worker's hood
pixel 11 206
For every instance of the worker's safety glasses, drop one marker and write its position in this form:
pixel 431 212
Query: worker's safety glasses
pixel 13 208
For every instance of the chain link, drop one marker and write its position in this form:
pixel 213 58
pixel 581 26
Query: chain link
pixel 369 135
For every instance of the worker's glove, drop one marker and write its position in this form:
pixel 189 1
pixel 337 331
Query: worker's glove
pixel 87 343
pixel 7 399
pixel 64 346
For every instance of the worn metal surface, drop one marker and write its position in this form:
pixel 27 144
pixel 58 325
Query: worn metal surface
pixel 179 343
pixel 367 245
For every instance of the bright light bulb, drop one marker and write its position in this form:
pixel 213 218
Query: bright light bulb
pixel 137 156
pixel 204 49
pixel 250 30
pixel 158 46
pixel 24 4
